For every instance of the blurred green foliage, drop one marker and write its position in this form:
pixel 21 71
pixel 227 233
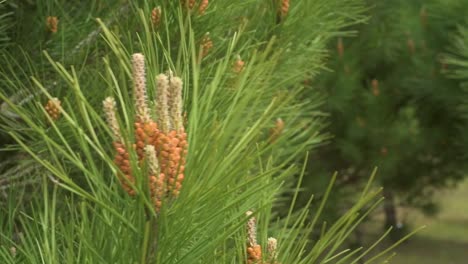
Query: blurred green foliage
pixel 392 105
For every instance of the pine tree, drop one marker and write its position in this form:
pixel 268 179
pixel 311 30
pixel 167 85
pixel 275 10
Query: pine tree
pixel 392 106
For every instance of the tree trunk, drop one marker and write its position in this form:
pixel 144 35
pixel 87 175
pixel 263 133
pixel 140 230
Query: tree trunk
pixel 389 209
pixel 391 218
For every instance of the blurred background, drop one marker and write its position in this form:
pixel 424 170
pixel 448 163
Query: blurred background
pixel 396 98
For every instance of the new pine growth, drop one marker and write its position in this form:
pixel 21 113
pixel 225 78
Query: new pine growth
pixel 161 144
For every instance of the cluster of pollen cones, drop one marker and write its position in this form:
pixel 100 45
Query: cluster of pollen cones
pixel 161 144
pixel 254 250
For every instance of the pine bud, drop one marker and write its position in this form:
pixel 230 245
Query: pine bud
pixel 53 108
pixel 123 162
pixel 254 254
pixel 175 103
pixel 110 112
pixel 52 23
pixel 139 79
pixel 189 4
pixel 202 7
pixel 251 229
pixel 254 250
pixel 157 179
pixel 13 251
pixel 145 133
pixel 271 248
pixel 283 9
pixel 156 16
pixel 238 65
pixel 206 45
pixel 277 130
pixel 162 106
